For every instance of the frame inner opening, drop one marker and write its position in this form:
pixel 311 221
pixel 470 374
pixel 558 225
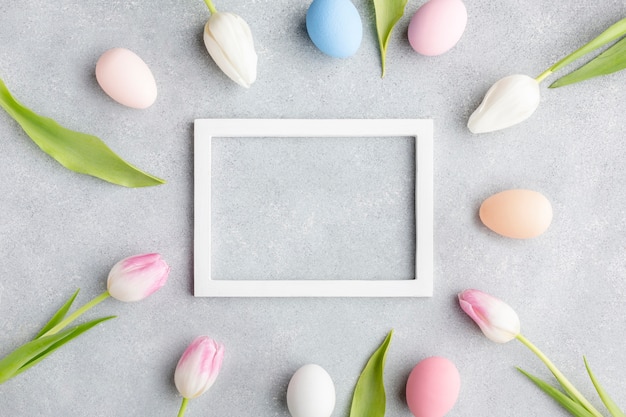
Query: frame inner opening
pixel 313 208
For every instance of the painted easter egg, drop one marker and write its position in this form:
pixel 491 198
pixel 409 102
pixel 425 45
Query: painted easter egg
pixel 437 26
pixel 126 78
pixel 335 27
pixel 520 214
pixel 433 387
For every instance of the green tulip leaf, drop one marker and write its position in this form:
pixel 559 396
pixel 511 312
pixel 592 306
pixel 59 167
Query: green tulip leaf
pixel 565 401
pixel 33 352
pixel 614 32
pixel 369 398
pixel 571 392
pixel 608 62
pixel 608 402
pixel 79 152
pixel 388 13
pixel 58 316
pixel 74 332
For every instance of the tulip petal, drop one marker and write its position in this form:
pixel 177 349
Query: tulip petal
pixel 229 41
pixel 136 277
pixel 198 367
pixel 509 101
pixel 497 320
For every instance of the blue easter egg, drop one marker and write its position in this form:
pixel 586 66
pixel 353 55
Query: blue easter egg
pixel 335 27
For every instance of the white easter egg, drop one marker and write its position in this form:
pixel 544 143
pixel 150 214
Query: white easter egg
pixel 311 392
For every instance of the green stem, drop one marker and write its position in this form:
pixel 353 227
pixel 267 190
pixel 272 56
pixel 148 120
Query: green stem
pixel 543 75
pixel 614 32
pixel 183 407
pixel 560 377
pixel 77 314
pixel 211 7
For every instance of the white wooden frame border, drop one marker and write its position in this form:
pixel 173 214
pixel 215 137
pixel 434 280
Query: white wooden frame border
pixel 421 129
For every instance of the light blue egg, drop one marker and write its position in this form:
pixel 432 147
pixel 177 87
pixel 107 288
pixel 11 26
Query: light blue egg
pixel 335 27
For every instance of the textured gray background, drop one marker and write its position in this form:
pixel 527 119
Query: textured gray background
pixel 60 230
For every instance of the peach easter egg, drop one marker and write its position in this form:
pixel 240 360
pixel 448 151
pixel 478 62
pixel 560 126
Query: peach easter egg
pixel 519 214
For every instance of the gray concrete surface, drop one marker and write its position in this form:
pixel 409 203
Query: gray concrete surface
pixel 60 231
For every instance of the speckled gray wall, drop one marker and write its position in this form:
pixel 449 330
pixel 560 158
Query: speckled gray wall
pixel 60 231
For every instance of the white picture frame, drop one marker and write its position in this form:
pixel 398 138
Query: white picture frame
pixel 421 129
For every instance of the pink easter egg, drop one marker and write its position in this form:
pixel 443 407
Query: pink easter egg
pixel 433 387
pixel 437 26
pixel 126 78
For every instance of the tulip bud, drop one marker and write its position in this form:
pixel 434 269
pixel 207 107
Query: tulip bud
pixel 135 278
pixel 509 101
pixel 498 321
pixel 198 367
pixel 229 41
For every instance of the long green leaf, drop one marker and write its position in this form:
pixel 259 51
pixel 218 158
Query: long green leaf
pixel 608 402
pixel 608 62
pixel 36 350
pixel 388 13
pixel 567 386
pixel 11 363
pixel 566 402
pixel 79 152
pixel 369 399
pixel 614 32
pixel 58 316
pixel 74 333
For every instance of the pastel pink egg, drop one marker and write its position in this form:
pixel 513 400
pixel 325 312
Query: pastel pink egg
pixel 433 387
pixel 437 26
pixel 126 78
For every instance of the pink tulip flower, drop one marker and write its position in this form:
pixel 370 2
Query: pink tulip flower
pixel 198 367
pixel 498 321
pixel 135 278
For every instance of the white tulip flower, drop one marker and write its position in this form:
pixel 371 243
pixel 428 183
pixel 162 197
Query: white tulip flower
pixel 509 101
pixel 228 39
